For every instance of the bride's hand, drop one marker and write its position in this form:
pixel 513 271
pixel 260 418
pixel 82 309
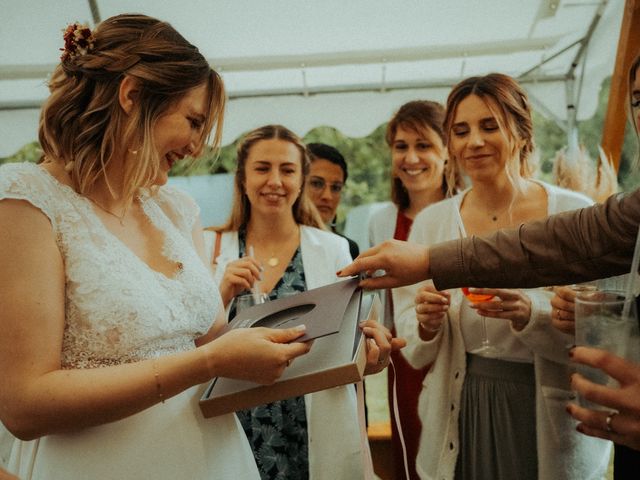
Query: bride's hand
pixel 258 354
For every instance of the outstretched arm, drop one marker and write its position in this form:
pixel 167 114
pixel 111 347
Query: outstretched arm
pixel 404 263
pixel 570 247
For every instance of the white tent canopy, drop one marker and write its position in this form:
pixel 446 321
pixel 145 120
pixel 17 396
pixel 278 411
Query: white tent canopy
pixel 347 64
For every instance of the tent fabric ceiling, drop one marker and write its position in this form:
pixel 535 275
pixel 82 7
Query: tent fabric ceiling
pixel 348 64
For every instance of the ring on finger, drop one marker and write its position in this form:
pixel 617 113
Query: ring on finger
pixel 608 421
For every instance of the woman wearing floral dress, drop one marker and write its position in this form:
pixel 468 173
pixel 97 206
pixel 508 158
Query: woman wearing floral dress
pixel 274 235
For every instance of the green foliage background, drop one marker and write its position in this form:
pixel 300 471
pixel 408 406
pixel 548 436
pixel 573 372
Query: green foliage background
pixel 369 160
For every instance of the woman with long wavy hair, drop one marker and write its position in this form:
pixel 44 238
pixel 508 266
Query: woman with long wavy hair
pixel 110 317
pixel 415 136
pixel 276 239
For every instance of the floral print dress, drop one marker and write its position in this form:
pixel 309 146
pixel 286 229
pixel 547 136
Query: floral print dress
pixel 277 431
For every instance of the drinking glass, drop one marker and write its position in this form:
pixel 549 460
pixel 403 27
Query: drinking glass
pixel 600 324
pixel 246 300
pixel 486 348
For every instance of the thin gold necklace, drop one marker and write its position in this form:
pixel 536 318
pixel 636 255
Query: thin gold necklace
pixel 274 260
pixel 106 210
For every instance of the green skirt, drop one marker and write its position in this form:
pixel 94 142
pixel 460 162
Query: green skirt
pixel 497 423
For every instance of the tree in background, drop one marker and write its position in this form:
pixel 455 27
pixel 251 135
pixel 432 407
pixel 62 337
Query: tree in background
pixel 369 158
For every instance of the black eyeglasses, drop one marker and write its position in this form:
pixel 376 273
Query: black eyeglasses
pixel 319 184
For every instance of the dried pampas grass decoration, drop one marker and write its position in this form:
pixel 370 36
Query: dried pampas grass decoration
pixel 578 172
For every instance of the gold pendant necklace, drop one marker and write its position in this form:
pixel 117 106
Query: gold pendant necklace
pixel 273 260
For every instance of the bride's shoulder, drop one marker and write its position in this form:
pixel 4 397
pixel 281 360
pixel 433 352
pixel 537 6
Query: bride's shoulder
pixel 27 185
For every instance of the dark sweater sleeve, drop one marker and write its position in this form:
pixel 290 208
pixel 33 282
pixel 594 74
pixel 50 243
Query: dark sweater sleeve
pixel 570 247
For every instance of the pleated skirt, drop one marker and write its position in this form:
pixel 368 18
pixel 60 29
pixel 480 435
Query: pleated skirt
pixel 497 421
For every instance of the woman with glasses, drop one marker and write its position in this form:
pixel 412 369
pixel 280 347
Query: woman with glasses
pixel 327 176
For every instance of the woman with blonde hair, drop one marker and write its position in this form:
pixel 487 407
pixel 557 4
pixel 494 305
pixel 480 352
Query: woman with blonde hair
pixel 416 139
pixel 492 412
pixel 275 241
pixel 110 316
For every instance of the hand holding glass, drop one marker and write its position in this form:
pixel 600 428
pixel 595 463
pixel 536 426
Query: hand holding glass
pixel 600 324
pixel 485 349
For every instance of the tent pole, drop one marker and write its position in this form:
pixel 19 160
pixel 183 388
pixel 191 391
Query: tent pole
pixel 573 96
pixel 95 13
pixel 615 119
pixel 572 126
pixel 546 60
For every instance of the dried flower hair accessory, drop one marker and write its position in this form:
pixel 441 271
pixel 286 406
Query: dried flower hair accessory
pixel 78 40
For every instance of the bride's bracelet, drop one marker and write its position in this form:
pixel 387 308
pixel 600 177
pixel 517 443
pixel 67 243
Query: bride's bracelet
pixel 156 374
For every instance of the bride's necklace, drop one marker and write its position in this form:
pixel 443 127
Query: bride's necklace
pixel 120 218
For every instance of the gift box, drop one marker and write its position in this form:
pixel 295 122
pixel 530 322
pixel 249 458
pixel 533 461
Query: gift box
pixel 337 357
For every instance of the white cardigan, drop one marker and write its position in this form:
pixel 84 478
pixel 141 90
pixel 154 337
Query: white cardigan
pixel 382 224
pixel 335 450
pixel 6 442
pixel 563 454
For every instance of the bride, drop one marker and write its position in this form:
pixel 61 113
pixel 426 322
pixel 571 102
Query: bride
pixel 110 313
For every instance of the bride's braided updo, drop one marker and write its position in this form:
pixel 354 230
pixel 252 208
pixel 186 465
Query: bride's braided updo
pixel 82 123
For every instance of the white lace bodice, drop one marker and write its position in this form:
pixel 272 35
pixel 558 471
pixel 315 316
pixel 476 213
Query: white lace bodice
pixel 118 310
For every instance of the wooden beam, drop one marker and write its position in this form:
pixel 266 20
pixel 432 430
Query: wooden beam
pixel 628 48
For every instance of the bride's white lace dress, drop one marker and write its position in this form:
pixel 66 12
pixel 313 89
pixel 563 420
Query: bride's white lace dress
pixel 118 310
